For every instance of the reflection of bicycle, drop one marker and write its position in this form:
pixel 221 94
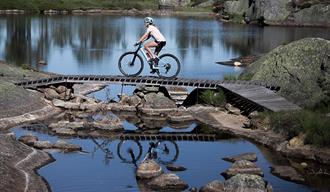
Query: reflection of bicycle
pixel 165 152
pixel 131 64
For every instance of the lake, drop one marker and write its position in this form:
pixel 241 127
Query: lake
pixel 93 44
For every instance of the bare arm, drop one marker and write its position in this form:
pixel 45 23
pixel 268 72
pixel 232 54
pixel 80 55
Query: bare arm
pixel 144 37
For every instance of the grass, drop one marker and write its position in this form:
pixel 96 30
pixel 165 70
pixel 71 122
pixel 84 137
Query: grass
pixel 246 77
pixel 314 124
pixel 40 5
pixel 214 98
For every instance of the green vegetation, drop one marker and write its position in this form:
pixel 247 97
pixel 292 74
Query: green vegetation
pixel 230 77
pixel 245 77
pixel 40 5
pixel 214 98
pixel 315 125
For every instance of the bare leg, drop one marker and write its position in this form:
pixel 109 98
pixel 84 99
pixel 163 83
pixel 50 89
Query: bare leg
pixel 147 47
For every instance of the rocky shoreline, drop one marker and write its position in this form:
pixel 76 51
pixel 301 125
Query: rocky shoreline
pixel 149 102
pixel 130 12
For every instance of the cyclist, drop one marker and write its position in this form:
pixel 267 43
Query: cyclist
pixel 159 41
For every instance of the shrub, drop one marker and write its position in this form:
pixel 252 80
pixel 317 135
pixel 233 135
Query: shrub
pixel 315 125
pixel 216 99
pixel 286 123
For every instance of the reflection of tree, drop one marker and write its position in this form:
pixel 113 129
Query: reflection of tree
pixel 193 35
pixel 101 33
pixel 18 44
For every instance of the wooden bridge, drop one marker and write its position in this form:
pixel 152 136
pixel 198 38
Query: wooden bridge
pixel 249 94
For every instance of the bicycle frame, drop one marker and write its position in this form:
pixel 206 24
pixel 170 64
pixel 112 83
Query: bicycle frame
pixel 140 49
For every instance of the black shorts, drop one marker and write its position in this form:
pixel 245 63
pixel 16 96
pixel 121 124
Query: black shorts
pixel 159 46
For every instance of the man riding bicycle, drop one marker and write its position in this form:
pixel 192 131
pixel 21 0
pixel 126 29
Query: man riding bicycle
pixel 159 41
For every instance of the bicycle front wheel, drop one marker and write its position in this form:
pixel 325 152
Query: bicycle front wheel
pixel 130 64
pixel 168 66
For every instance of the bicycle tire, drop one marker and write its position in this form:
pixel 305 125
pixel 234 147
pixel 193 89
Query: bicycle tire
pixel 138 156
pixel 176 154
pixel 121 63
pixel 174 61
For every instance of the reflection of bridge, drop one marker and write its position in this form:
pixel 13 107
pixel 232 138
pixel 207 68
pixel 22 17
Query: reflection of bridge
pixel 169 136
pixel 249 94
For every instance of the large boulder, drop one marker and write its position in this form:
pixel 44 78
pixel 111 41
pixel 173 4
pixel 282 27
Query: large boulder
pixel 278 12
pixel 242 167
pixel 168 182
pixel 157 101
pixel 301 69
pixel 214 186
pixel 148 169
pixel 252 157
pixel 246 183
pixel 288 173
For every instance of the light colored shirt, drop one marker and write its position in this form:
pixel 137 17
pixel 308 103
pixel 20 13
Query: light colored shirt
pixel 155 33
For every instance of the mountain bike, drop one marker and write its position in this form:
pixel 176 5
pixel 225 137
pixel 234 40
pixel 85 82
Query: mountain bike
pixel 163 151
pixel 131 64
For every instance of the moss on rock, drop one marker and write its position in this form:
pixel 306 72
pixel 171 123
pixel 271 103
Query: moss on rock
pixel 301 69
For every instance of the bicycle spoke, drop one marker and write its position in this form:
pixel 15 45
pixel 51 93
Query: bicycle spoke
pixel 130 64
pixel 168 66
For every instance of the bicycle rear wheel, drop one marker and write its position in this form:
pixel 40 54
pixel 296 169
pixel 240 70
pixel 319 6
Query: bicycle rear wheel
pixel 130 64
pixel 168 66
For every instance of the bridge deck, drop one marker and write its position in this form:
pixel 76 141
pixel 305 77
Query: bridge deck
pixel 254 92
pixel 261 96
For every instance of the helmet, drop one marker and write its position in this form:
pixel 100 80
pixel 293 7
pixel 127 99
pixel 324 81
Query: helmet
pixel 148 20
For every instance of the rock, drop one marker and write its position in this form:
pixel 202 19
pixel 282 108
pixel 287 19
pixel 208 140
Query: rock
pixel 140 94
pixel 74 125
pixel 253 114
pixel 232 110
pixel 157 101
pixel 242 167
pixel 297 141
pixel 301 69
pixel 193 189
pixel 66 105
pixel 167 182
pixel 42 145
pixel 247 124
pixel 246 183
pixel 146 89
pixel 173 167
pixel 214 186
pixel 61 89
pixel 175 118
pixel 131 101
pixel 245 156
pixel 18 161
pixel 28 139
pixel 287 173
pixel 42 62
pixel 64 131
pixel 66 146
pixel 51 94
pixel 280 12
pixel 148 169
pixel 107 124
pixel 304 165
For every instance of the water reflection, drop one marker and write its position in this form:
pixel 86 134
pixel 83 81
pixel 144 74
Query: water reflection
pixel 93 44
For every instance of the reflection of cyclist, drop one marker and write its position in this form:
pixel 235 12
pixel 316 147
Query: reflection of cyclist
pixel 159 40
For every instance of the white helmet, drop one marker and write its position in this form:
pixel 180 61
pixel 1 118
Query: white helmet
pixel 148 20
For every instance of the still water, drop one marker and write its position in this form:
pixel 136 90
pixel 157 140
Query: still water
pixel 105 164
pixel 93 44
